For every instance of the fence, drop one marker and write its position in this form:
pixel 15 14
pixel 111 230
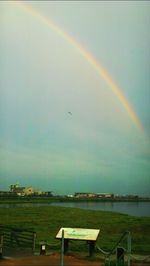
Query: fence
pixel 125 252
pixel 15 239
pixel 119 260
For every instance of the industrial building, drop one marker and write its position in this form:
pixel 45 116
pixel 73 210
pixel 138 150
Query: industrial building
pixel 93 195
pixel 21 191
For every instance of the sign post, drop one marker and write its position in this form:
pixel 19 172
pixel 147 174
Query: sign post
pixel 89 235
pixel 91 248
pixel 62 249
pixel 120 255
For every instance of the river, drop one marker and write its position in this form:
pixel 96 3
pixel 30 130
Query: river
pixel 131 208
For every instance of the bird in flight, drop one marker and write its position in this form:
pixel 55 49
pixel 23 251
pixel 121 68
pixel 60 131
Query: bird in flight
pixel 69 113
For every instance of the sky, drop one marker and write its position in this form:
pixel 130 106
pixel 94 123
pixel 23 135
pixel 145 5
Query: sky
pixel 63 126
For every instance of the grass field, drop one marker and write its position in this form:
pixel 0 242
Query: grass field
pixel 47 220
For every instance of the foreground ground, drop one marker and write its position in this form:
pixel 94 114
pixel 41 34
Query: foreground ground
pixel 54 260
pixel 46 222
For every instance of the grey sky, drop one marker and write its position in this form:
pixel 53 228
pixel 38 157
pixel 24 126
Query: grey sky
pixel 43 77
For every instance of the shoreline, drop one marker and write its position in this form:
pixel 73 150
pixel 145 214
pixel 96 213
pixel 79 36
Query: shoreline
pixel 31 199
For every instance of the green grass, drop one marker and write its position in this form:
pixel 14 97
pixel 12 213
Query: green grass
pixel 47 220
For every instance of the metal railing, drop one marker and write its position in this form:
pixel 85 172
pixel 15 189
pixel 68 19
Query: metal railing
pixel 139 259
pixel 113 250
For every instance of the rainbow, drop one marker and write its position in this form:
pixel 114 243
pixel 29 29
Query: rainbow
pixel 88 57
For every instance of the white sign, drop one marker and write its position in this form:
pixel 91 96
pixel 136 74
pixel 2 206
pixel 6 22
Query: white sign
pixel 43 247
pixel 79 233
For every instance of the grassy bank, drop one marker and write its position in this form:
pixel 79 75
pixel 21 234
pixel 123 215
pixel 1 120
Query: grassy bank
pixel 46 221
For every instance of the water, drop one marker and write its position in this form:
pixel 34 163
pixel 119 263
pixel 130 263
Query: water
pixel 131 208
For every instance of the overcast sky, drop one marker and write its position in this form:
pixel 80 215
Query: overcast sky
pixel 97 147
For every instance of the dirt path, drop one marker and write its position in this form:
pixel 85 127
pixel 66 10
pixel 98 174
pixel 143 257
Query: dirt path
pixel 52 260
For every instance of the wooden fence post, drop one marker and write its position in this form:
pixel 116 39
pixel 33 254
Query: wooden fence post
pixel 129 248
pixel 1 246
pixel 33 245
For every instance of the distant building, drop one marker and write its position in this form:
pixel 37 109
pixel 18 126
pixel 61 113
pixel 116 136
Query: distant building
pixel 28 191
pixel 93 195
pixel 21 191
pixel 105 195
pixel 70 196
pixel 48 193
pixel 84 195
pixel 13 187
